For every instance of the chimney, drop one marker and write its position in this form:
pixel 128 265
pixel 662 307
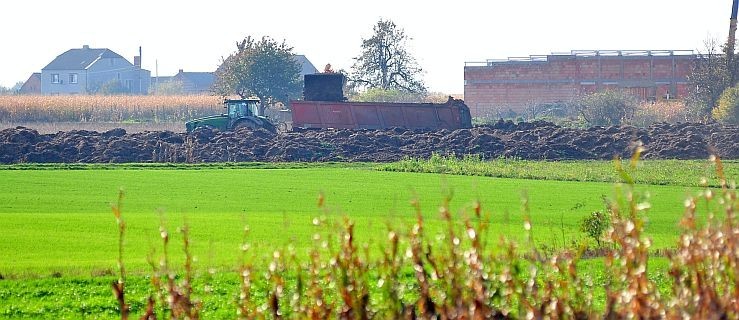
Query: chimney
pixel 86 47
pixel 137 59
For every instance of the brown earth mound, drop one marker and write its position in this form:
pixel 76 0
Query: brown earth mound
pixel 527 140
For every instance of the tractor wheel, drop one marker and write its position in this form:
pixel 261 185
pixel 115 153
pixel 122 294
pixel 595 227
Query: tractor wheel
pixel 282 127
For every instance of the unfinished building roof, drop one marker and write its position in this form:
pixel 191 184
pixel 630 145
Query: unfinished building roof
pixel 585 54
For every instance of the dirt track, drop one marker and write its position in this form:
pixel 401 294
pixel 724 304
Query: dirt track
pixel 536 140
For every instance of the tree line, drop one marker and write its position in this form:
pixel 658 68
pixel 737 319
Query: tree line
pixel 385 70
pixel 267 68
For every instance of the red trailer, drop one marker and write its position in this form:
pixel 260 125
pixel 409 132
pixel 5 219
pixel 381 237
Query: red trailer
pixel 453 114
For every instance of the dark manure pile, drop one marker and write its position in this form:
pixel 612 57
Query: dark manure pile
pixel 526 140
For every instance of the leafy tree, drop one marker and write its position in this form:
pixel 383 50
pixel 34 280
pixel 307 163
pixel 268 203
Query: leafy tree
pixel 15 89
pixel 265 68
pixel 388 95
pixel 4 91
pixel 709 78
pixel 385 63
pixel 395 95
pixel 606 108
pixel 727 110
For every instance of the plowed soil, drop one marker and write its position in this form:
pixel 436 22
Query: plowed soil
pixel 527 140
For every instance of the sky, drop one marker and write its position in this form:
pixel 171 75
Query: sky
pixel 196 35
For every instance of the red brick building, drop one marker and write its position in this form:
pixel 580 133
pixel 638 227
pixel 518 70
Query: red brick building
pixel 494 87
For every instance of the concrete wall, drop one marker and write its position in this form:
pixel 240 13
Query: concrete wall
pixel 493 88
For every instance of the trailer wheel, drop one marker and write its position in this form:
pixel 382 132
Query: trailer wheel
pixel 282 127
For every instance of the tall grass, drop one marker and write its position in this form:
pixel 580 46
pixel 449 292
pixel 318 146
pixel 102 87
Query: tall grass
pixel 659 172
pixel 459 274
pixel 95 108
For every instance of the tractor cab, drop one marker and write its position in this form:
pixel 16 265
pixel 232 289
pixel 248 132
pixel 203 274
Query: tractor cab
pixel 238 109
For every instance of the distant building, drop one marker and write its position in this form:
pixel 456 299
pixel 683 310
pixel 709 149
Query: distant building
pixel 202 82
pixel 494 87
pixel 307 66
pixel 32 85
pixel 88 70
pixel 183 83
pixel 195 82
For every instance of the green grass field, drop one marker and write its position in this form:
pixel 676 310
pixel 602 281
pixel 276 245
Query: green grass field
pixel 60 220
pixel 59 236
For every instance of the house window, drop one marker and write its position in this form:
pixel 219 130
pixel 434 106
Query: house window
pixel 129 84
pixel 55 78
pixel 72 78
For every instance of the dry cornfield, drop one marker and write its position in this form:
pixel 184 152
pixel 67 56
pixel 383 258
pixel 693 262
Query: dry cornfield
pixel 94 108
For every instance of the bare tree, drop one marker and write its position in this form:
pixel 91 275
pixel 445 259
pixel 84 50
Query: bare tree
pixel 385 63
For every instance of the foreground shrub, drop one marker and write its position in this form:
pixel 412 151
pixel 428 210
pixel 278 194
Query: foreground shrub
pixel 705 266
pixel 457 274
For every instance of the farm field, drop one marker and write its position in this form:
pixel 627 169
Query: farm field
pixel 60 220
pixel 61 236
pixel 95 108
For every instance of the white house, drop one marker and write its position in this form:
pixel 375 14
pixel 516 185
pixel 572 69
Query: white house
pixel 87 70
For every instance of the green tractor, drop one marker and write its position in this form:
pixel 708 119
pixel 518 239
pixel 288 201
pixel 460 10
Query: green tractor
pixel 242 113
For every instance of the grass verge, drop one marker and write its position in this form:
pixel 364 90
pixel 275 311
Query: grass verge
pixel 650 172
